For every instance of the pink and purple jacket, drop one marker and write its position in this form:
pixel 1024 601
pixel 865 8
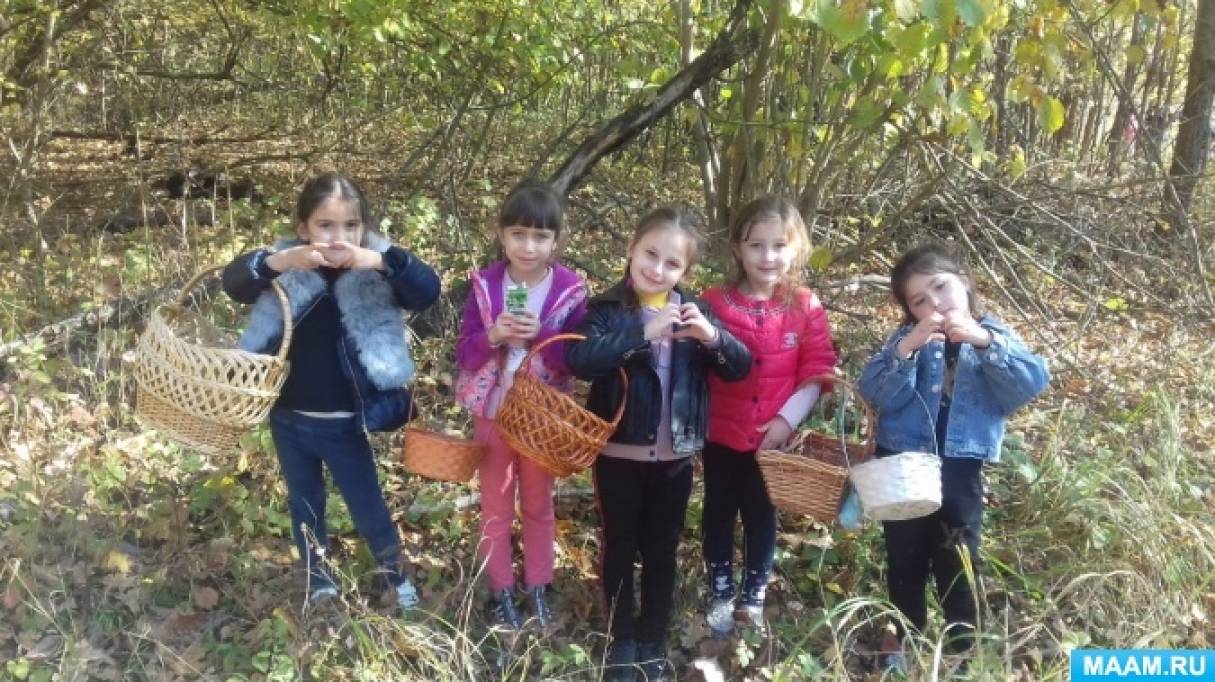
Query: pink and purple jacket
pixel 789 343
pixel 481 364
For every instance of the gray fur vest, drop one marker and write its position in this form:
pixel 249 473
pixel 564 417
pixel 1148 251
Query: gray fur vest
pixel 373 322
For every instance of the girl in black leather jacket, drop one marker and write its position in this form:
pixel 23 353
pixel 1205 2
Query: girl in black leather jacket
pixel 666 341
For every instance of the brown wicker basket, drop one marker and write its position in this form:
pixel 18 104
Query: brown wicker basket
pixel 811 481
pixel 197 395
pixel 549 427
pixel 440 456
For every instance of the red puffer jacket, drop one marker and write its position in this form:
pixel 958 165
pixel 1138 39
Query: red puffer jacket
pixel 789 344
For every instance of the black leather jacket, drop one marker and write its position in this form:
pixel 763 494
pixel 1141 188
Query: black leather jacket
pixel 616 338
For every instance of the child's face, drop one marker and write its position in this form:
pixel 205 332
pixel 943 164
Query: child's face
pixel 940 292
pixel 527 249
pixel 658 260
pixel 765 254
pixel 334 219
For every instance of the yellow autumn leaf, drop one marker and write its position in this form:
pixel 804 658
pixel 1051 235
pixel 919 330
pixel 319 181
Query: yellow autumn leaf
pixel 118 562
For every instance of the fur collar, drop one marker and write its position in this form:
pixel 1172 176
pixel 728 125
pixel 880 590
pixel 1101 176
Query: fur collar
pixel 371 318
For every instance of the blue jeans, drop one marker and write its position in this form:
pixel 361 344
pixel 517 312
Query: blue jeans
pixel 304 444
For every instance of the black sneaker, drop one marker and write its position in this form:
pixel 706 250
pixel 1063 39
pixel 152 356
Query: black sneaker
pixel 502 608
pixel 544 615
pixel 652 659
pixel 620 664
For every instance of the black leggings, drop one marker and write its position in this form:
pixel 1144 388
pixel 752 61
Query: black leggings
pixel 641 511
pixel 734 487
pixel 916 548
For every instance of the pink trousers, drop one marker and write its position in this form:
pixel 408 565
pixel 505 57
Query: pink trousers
pixel 505 473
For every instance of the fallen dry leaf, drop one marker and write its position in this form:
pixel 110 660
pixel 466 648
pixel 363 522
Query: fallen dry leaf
pixel 205 597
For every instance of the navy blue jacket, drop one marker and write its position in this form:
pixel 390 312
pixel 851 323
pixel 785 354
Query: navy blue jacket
pixel 372 348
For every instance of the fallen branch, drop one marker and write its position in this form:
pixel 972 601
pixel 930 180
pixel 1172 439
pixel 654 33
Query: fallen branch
pixel 116 312
pixel 734 42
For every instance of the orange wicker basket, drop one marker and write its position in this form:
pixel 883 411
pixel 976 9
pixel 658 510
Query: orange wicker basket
pixel 549 427
pixel 441 456
pixel 811 481
pixel 201 396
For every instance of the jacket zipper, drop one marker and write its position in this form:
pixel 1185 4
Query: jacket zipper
pixel 358 395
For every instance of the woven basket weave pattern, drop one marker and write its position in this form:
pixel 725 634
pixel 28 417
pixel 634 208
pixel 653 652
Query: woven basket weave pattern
pixel 441 457
pixel 899 487
pixel 201 396
pixel 549 427
pixel 811 482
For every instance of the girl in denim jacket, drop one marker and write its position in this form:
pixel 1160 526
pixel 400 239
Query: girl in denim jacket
pixel 945 382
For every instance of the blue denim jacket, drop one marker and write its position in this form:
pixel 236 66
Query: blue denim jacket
pixel 991 383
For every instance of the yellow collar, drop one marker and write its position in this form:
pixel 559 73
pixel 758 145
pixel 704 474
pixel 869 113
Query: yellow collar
pixel 654 300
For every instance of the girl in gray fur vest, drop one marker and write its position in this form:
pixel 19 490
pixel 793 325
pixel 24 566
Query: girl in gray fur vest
pixel 348 289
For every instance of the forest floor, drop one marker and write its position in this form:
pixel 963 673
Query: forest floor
pixel 125 556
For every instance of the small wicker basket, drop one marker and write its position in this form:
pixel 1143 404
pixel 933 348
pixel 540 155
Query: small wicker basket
pixel 440 456
pixel 811 482
pixel 200 396
pixel 549 427
pixel 899 487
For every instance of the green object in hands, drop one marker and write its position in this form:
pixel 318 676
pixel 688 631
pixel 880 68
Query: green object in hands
pixel 516 299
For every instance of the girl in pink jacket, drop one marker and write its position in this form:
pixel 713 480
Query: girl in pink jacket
pixel 497 330
pixel 785 327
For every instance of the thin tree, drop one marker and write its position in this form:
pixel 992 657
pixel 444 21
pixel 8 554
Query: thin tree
pixel 1194 134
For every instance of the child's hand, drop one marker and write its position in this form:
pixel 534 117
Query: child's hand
pixel 960 327
pixel 929 329
pixel 353 257
pixel 302 257
pixel 663 324
pixel 776 434
pixel 695 326
pixel 525 326
pixel 503 329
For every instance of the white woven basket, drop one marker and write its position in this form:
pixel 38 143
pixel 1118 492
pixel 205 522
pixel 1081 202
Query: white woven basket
pixel 899 487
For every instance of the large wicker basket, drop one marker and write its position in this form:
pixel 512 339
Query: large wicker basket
pixel 200 396
pixel 811 481
pixel 549 427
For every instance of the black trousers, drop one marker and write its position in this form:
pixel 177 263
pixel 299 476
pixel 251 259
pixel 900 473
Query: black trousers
pixel 734 487
pixel 641 512
pixel 932 545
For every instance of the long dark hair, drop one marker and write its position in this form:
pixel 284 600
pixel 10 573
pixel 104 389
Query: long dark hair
pixel 930 259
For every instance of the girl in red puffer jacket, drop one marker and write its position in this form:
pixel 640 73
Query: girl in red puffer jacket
pixel 785 328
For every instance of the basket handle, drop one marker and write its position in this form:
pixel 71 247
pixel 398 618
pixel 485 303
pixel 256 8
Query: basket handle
pixel 870 443
pixel 624 378
pixel 288 327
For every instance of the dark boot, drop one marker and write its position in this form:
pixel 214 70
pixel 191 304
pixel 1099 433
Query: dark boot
pixel 620 664
pixel 544 615
pixel 503 610
pixel 652 659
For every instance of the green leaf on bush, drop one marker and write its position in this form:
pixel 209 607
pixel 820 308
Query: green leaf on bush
pixel 846 22
pixel 1050 114
pixel 912 40
pixel 820 258
pixel 972 12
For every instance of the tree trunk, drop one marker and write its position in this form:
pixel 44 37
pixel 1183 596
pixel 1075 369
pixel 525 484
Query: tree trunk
pixel 1126 102
pixel 706 153
pixel 734 42
pixel 1194 134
